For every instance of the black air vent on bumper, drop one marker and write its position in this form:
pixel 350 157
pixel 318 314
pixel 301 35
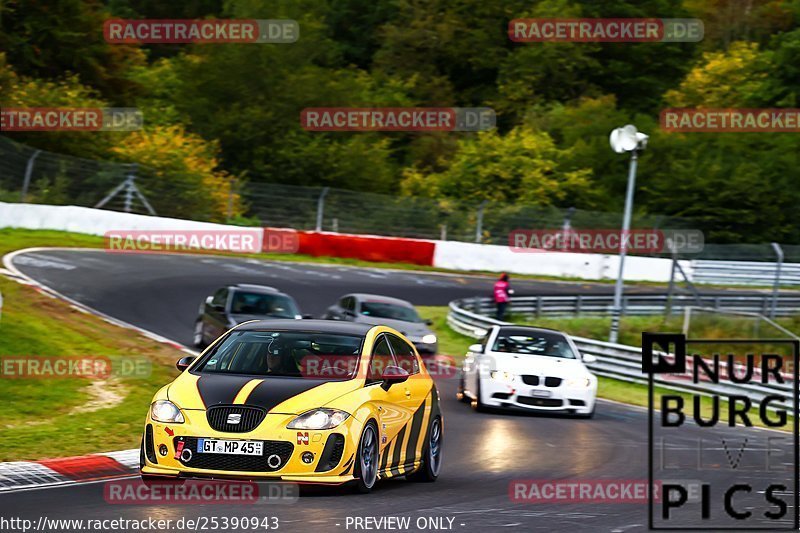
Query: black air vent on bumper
pixel 149 447
pixel 332 453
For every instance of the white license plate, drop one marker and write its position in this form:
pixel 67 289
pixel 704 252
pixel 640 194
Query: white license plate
pixel 231 447
pixel 542 394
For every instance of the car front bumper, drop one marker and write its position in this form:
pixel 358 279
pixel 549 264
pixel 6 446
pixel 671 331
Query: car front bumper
pixel 333 451
pixel 580 400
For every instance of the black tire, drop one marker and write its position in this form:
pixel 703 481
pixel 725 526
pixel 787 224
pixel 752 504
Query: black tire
pixel 477 404
pixel 431 465
pixel 590 414
pixel 198 339
pixel 366 469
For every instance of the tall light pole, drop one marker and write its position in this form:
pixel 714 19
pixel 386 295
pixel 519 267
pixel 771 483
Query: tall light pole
pixel 623 140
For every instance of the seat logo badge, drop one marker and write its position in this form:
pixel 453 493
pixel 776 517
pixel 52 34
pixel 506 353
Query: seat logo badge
pixel 302 437
pixel 234 418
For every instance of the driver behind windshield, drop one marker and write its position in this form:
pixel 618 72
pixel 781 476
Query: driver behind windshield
pixel 279 354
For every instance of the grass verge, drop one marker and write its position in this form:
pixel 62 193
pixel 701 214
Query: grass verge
pixel 56 417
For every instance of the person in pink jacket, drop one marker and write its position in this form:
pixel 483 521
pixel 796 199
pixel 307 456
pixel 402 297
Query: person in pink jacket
pixel 502 295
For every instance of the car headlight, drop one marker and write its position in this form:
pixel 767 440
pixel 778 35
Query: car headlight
pixel 429 338
pixel 166 411
pixel 500 375
pixel 580 383
pixel 319 419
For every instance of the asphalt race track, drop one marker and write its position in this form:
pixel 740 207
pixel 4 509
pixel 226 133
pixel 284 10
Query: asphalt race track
pixel 162 293
pixel 483 453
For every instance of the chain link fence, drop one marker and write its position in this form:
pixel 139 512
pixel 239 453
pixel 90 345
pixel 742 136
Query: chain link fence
pixel 28 175
pixel 337 210
pixel 35 176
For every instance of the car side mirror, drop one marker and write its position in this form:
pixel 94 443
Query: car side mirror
pixel 209 299
pixel 393 374
pixel 589 358
pixel 184 362
pixel 476 348
pixel 428 322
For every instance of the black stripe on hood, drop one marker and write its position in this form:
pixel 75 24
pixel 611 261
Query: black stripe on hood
pixel 273 391
pixel 221 389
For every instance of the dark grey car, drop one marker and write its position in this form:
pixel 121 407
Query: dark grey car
pixel 235 304
pixel 383 310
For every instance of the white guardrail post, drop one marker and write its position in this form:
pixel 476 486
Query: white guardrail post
pixel 617 361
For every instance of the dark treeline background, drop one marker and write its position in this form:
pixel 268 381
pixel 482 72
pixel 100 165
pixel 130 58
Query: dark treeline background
pixel 214 112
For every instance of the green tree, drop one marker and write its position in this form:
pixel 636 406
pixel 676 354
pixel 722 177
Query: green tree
pixel 524 166
pixel 250 97
pixel 51 39
pixel 24 91
pixel 739 187
pixel 733 78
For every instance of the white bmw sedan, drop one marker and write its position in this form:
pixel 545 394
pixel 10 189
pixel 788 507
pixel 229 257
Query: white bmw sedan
pixel 528 368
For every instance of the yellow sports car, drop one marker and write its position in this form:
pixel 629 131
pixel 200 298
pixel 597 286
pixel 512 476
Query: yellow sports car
pixel 309 401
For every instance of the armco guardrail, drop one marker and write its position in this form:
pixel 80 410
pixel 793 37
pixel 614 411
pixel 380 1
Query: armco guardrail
pixel 619 361
pixel 645 304
pixel 744 273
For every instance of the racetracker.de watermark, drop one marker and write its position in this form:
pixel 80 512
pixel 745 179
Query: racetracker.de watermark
pixel 644 241
pixel 777 120
pixel 197 492
pixel 579 491
pixel 70 119
pixel 96 367
pixel 398 119
pixel 211 31
pixel 247 241
pixel 345 366
pixel 606 30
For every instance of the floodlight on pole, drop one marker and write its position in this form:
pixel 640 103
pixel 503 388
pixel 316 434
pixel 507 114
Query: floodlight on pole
pixel 625 139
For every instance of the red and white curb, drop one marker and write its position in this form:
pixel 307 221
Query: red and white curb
pixel 19 475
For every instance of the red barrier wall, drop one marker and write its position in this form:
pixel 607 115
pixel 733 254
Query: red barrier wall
pixel 368 248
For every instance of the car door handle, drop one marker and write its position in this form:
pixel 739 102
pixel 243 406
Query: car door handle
pixel 408 393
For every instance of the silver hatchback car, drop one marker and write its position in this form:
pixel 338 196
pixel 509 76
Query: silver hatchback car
pixel 383 310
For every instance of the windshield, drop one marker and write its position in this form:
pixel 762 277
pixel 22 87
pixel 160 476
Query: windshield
pixel 392 311
pixel 285 354
pixel 547 344
pixel 254 303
